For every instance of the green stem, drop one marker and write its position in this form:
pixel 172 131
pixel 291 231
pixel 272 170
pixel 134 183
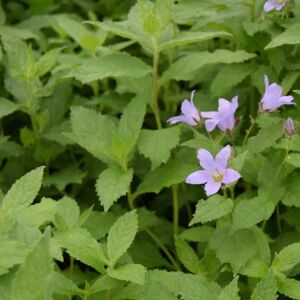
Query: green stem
pixel 253 122
pixel 253 8
pixel 175 209
pixel 154 102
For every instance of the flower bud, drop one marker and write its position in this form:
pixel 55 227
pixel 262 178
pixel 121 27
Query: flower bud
pixel 289 127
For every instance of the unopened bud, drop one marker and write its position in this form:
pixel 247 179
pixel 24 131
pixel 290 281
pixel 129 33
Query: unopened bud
pixel 289 127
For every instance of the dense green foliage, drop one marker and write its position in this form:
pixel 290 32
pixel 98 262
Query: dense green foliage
pixel 93 199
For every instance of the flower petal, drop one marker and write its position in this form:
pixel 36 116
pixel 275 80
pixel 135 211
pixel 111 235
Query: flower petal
pixel 212 188
pixel 198 177
pixel 266 79
pixel 269 5
pixel 210 125
pixel 234 104
pixel 183 119
pixel 189 110
pixel 210 114
pixel 206 160
pixel 227 123
pixel 286 100
pixel 230 176
pixel 222 158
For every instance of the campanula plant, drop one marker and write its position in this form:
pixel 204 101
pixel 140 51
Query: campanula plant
pixel 149 150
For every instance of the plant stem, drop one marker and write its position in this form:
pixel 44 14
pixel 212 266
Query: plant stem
pixel 253 8
pixel 249 131
pixel 154 102
pixel 175 209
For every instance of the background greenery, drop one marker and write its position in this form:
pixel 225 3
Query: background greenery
pixel 103 211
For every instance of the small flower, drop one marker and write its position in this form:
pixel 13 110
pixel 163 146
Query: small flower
pixel 224 117
pixel 275 4
pixel 289 127
pixel 273 98
pixel 215 173
pixel 191 115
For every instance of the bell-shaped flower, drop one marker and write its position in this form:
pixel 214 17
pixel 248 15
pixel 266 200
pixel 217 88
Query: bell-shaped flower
pixel 215 172
pixel 274 4
pixel 224 117
pixel 190 114
pixel 273 99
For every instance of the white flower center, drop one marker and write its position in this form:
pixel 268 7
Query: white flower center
pixel 218 177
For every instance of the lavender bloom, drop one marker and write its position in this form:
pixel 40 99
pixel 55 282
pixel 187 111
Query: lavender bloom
pixel 191 115
pixel 224 117
pixel 274 4
pixel 289 127
pixel 273 98
pixel 215 173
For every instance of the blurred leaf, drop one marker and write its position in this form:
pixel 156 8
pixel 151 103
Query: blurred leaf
pixel 230 291
pixel 130 272
pixel 7 107
pixel 290 288
pixel 265 289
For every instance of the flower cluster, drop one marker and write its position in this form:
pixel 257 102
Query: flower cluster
pixel 215 173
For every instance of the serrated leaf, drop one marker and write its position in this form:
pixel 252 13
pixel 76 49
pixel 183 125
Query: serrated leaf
pixel 265 289
pixel 82 246
pixel 31 280
pixel 121 236
pixel 266 138
pixel 249 212
pixel 21 194
pixel 111 184
pixel 290 288
pixel 288 37
pixel 62 285
pixel 110 65
pixel 183 68
pixel 47 61
pixel 186 38
pixel 11 253
pixel 157 144
pixel 287 258
pixel 231 291
pixel 67 213
pixel 187 256
pixel 93 131
pixel 211 209
pixel 130 272
pixel 7 107
pixel 171 173
pixel 228 77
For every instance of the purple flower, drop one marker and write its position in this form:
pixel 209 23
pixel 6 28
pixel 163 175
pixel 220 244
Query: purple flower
pixel 274 4
pixel 215 173
pixel 273 98
pixel 224 117
pixel 289 127
pixel 191 115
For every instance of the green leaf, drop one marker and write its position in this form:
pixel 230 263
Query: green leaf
pixel 294 159
pixel 110 65
pixel 130 126
pixel 121 236
pixel 231 291
pixel 93 131
pixel 62 285
pixel 11 253
pixel 171 173
pixel 67 213
pixel 266 138
pixel 292 190
pixel 229 77
pixel 7 107
pixel 68 175
pixel 183 68
pixel 211 209
pixel 187 256
pixel 290 288
pixel 197 234
pixel 82 246
pixel 186 38
pixel 249 212
pixel 288 37
pixel 287 258
pixel 105 283
pixel 111 184
pixel 47 61
pixel 130 272
pixel 21 194
pixel 265 289
pixel 31 280
pixel 157 144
